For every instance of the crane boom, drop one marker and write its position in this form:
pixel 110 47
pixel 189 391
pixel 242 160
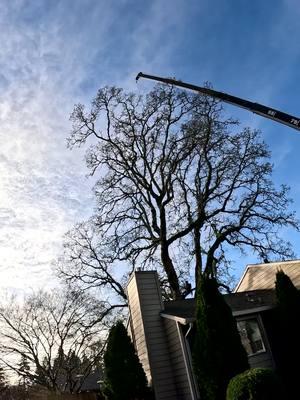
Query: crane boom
pixel 267 112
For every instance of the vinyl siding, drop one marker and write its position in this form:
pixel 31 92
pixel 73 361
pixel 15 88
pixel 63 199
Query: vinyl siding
pixel 178 364
pixel 263 276
pixel 261 360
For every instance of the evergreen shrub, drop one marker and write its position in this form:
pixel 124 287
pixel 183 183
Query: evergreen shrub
pixel 255 384
pixel 288 328
pixel 125 377
pixel 218 353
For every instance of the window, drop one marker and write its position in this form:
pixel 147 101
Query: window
pixel 251 336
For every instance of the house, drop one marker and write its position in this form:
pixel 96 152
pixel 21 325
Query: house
pixel 162 332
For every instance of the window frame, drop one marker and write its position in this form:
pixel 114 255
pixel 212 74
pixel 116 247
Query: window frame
pixel 258 320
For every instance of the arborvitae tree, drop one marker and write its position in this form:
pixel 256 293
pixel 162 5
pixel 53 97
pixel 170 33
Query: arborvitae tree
pixel 288 297
pixel 42 375
pixel 24 369
pixel 3 382
pixel 73 370
pixel 288 321
pixel 125 377
pixel 58 370
pixel 218 352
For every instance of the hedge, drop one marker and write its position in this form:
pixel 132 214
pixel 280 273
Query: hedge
pixel 255 384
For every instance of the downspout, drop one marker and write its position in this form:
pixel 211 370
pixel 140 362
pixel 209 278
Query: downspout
pixel 188 360
pixel 189 330
pixel 188 350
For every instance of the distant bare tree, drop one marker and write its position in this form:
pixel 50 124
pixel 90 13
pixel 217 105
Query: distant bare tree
pixel 85 264
pixel 57 335
pixel 178 185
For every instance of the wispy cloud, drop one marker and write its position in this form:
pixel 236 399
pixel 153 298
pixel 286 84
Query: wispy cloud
pixel 55 54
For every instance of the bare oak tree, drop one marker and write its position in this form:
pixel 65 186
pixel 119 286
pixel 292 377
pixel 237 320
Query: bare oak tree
pixel 57 334
pixel 177 186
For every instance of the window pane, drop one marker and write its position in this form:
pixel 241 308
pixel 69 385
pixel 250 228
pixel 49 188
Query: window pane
pixel 251 336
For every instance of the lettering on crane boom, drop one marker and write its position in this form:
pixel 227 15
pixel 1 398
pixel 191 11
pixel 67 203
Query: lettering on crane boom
pixel 295 121
pixel 257 108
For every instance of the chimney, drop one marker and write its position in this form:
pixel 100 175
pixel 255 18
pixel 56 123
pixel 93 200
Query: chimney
pixel 148 333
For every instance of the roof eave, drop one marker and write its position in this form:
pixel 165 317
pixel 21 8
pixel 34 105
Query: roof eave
pixel 181 320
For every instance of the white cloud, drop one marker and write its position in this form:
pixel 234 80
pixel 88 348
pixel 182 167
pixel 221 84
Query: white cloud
pixel 51 58
pixel 43 190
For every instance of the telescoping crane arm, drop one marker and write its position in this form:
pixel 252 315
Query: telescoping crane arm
pixel 267 112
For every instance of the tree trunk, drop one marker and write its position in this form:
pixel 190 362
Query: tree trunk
pixel 198 258
pixel 171 273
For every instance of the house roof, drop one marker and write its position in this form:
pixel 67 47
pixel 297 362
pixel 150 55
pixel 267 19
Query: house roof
pixel 241 303
pixel 91 382
pixel 254 293
pixel 263 276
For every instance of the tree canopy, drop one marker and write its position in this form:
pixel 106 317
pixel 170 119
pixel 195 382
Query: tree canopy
pixel 177 185
pixel 57 336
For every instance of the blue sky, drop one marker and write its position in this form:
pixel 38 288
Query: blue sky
pixel 54 54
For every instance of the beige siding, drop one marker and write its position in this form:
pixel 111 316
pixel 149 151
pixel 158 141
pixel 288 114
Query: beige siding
pixel 263 276
pixel 178 364
pixel 145 305
pixel 261 360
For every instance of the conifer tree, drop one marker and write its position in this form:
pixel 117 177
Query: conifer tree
pixel 287 295
pixel 24 369
pixel 218 352
pixel 3 382
pixel 125 377
pixel 288 349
